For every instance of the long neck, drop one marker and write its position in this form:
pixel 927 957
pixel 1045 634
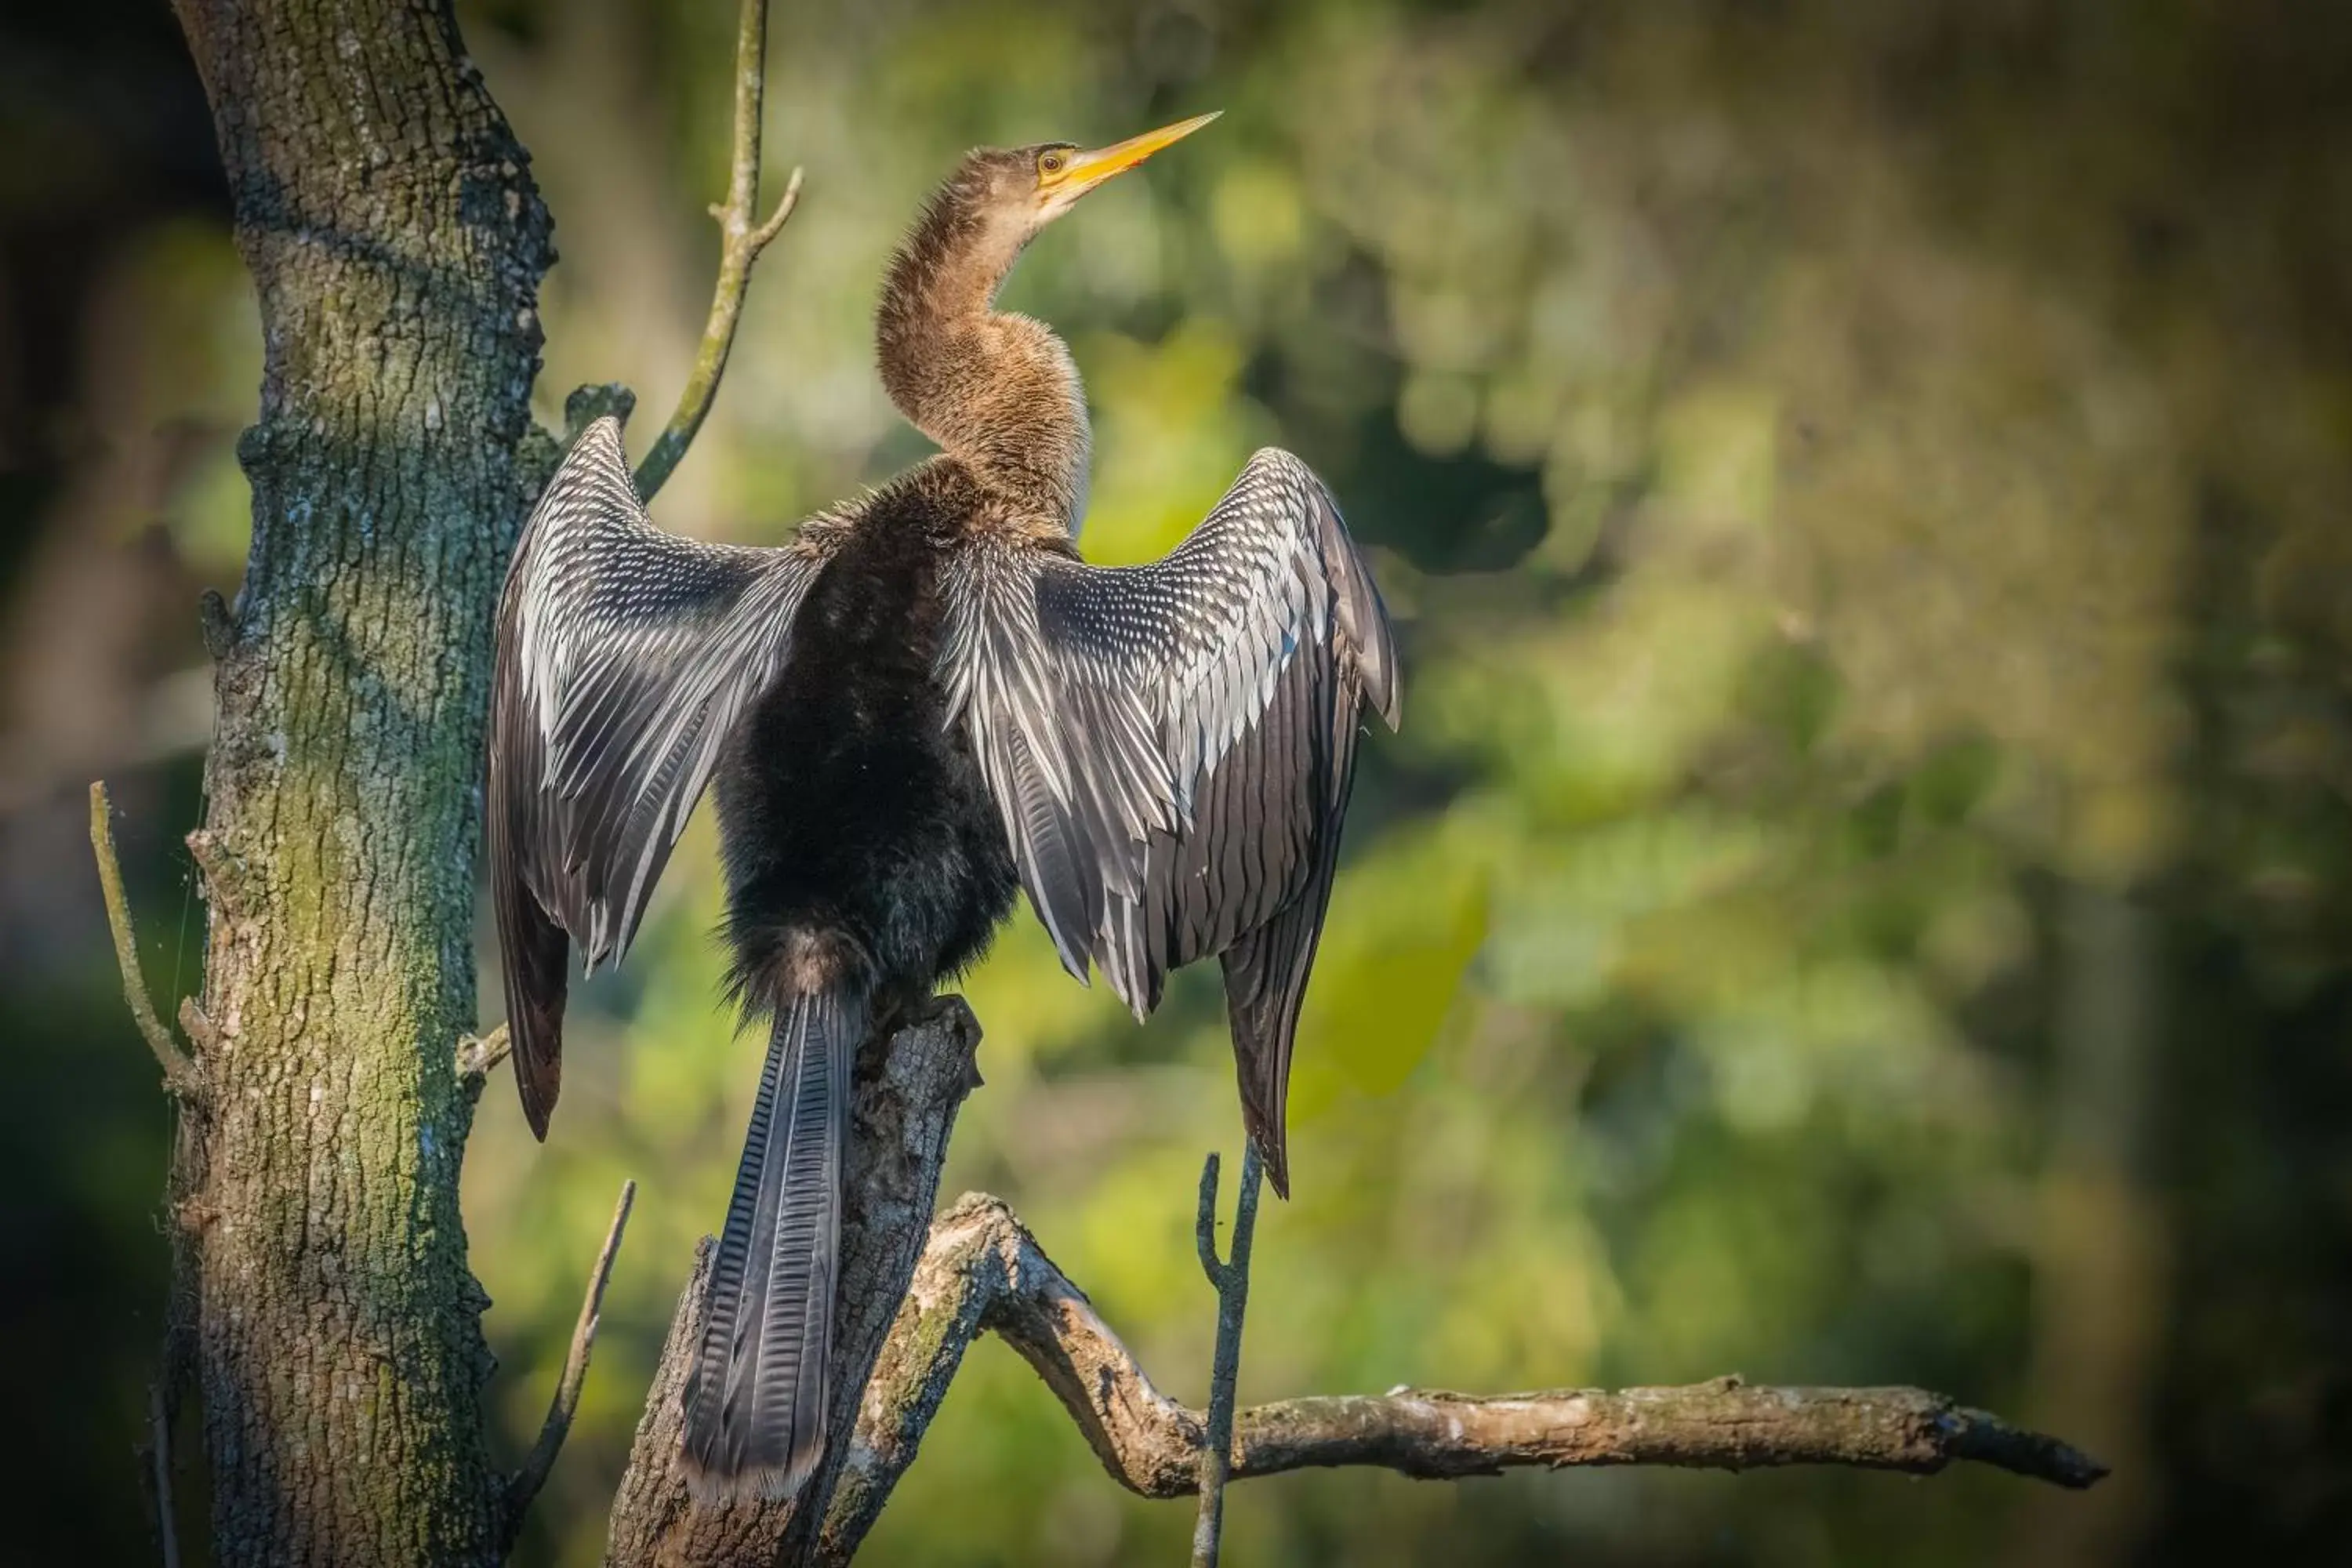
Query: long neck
pixel 996 391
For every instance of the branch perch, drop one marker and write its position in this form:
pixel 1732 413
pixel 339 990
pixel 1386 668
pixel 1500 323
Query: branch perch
pixel 904 1095
pixel 526 1481
pixel 179 1073
pixel 740 243
pixel 908 1304
pixel 982 1270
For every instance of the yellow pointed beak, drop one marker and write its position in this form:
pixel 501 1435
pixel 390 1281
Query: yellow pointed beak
pixel 1088 170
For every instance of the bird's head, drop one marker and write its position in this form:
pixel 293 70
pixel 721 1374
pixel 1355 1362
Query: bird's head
pixel 1016 191
pixel 966 388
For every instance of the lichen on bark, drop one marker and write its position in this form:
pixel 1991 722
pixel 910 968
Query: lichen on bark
pixel 396 243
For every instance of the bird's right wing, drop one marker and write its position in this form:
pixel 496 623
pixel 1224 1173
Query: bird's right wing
pixel 625 656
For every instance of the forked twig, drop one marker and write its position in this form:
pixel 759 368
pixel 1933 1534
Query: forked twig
pixel 1231 1279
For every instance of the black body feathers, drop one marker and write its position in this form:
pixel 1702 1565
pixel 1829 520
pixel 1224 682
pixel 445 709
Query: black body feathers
pixel 846 803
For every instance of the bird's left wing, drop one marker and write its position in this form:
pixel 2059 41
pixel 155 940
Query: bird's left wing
pixel 1171 746
pixel 625 656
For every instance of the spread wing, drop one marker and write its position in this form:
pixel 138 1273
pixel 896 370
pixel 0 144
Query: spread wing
pixel 625 656
pixel 1171 747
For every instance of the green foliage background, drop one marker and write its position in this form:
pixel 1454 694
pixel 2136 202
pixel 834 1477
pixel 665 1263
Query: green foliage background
pixel 1861 893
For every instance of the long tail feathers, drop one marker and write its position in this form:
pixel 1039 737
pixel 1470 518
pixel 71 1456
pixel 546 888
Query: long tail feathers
pixel 755 1403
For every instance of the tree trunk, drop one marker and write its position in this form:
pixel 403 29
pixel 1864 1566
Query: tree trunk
pixel 396 242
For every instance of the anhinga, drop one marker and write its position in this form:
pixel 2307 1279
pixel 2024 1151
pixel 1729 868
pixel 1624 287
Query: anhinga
pixel 924 701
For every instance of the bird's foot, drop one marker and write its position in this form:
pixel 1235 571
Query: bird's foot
pixel 921 1010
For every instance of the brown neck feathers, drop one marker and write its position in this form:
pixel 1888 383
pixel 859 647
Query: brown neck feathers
pixel 995 390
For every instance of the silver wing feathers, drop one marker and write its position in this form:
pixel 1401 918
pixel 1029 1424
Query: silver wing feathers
pixel 1172 745
pixel 625 656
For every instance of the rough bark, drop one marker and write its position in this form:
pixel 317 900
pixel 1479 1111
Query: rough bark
pixel 396 243
pixel 903 1105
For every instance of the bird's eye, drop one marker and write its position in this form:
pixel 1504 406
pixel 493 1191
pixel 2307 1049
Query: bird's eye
pixel 1052 162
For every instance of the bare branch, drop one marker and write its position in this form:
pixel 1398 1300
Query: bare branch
pixel 525 1483
pixel 740 243
pixel 180 1074
pixel 983 1270
pixel 1232 1281
pixel 1721 1424
pixel 908 1305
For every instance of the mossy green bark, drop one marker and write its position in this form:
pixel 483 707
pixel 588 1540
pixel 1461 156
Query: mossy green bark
pixel 396 243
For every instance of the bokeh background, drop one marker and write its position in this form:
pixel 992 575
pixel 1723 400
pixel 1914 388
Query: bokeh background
pixel 1862 893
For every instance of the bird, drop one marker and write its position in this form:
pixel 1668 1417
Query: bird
pixel 922 705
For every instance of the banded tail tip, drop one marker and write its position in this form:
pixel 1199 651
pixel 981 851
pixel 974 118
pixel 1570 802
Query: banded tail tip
pixel 711 1487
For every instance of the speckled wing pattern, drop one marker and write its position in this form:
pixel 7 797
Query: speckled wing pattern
pixel 1171 747
pixel 625 656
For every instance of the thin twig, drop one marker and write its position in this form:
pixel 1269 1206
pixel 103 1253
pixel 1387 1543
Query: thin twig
pixel 159 1456
pixel 1205 1224
pixel 180 1074
pixel 1232 1281
pixel 740 243
pixel 525 1484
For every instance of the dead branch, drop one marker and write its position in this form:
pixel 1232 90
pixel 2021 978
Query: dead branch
pixel 181 1076
pixel 983 1270
pixel 908 1307
pixel 740 243
pixel 524 1485
pixel 904 1098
